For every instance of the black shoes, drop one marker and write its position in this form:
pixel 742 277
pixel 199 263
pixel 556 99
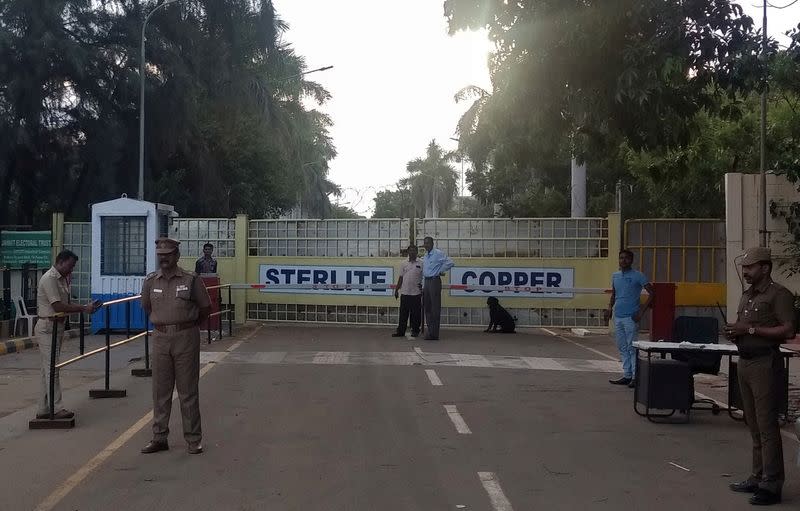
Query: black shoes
pixel 398 334
pixel 765 498
pixel 632 384
pixel 746 486
pixel 195 448
pixel 155 446
pixel 621 381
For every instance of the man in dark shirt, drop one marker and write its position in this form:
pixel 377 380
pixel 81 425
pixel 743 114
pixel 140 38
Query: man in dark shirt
pixel 206 264
pixel 765 319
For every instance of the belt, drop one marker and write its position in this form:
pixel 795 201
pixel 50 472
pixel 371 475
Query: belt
pixel 749 354
pixel 172 329
pixel 54 319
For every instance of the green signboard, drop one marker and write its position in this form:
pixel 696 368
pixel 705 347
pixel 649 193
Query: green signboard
pixel 25 247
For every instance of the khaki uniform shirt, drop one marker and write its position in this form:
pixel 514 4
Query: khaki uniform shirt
pixel 768 305
pixel 174 299
pixel 52 288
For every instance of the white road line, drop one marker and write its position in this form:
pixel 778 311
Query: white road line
pixel 418 351
pixel 550 332
pixel 457 420
pixel 492 486
pixel 82 473
pixel 331 357
pixel 433 377
pixel 576 343
pixel 680 467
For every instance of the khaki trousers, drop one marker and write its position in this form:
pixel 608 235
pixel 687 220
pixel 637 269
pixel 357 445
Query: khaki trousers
pixel 176 363
pixel 43 335
pixel 759 382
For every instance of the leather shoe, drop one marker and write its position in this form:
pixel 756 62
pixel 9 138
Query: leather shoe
pixel 195 448
pixel 632 384
pixel 765 498
pixel 746 486
pixel 398 334
pixel 620 381
pixel 155 446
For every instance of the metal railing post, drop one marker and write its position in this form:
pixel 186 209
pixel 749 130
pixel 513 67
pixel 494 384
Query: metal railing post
pixel 81 335
pixel 230 315
pixel 52 389
pixel 127 319
pixel 108 347
pixel 219 306
pixel 208 326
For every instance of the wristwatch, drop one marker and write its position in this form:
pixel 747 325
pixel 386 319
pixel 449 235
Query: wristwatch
pixel 751 330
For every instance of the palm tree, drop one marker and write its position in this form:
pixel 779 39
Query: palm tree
pixel 433 181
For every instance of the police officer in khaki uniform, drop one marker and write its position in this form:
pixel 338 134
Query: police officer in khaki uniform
pixel 765 321
pixel 52 301
pixel 176 302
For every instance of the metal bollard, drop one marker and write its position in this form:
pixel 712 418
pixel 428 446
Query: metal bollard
pixel 81 335
pixel 107 392
pixel 219 317
pixel 51 393
pixel 229 313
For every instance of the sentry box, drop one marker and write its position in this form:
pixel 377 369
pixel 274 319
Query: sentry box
pixel 124 232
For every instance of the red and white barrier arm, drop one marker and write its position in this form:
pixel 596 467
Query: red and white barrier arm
pixel 461 287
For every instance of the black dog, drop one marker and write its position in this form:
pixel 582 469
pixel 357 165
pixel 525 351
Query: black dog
pixel 499 318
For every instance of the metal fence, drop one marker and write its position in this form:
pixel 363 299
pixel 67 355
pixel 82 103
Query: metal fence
pixel 328 238
pixel 679 250
pixel 529 237
pixel 78 238
pixel 193 233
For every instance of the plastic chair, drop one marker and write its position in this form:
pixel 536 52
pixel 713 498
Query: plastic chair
pixel 22 315
pixel 698 330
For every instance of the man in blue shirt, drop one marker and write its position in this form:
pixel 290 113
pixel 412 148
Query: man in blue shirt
pixel 434 264
pixel 626 292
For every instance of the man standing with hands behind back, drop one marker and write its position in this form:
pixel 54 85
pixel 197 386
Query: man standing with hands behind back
pixel 435 263
pixel 176 302
pixel 765 319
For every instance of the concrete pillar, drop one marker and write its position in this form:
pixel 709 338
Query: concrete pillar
pixel 57 230
pixel 240 272
pixel 578 189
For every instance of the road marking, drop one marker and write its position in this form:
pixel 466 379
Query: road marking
pixel 331 357
pixel 576 343
pixel 457 420
pixel 82 473
pixel 433 377
pixel 680 467
pixel 550 332
pixel 496 496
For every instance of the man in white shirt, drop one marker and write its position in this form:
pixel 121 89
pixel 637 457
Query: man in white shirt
pixel 409 290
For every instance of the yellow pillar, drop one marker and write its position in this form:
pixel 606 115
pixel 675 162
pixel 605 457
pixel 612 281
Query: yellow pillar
pixel 240 266
pixel 57 231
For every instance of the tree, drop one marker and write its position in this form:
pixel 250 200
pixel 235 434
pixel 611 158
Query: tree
pixel 433 181
pixel 594 75
pixel 394 203
pixel 227 130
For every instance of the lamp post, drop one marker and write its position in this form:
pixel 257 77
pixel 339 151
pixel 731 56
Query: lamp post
pixel 141 97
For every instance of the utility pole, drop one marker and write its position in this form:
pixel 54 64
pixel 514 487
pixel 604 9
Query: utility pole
pixel 762 206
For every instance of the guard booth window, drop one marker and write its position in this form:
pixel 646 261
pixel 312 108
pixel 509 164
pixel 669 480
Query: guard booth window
pixel 123 247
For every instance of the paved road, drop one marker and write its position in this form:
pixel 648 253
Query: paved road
pixel 333 418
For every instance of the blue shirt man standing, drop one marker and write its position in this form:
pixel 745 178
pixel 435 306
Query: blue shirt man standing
pixel 626 292
pixel 434 264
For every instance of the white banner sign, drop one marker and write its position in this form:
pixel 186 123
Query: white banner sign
pixel 341 280
pixel 517 281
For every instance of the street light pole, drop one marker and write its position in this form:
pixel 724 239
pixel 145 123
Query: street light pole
pixel 141 97
pixel 762 210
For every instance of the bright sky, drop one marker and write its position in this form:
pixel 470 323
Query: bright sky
pixel 394 79
pixel 395 74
